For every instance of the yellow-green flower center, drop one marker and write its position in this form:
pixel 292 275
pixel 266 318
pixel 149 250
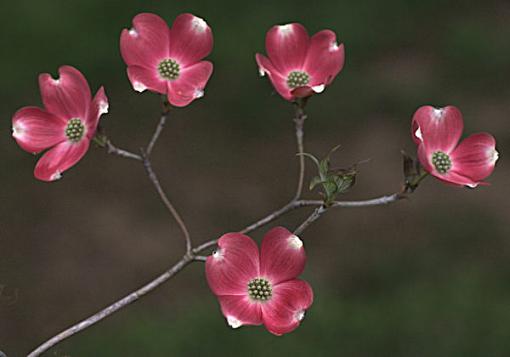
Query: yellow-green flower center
pixel 441 162
pixel 75 130
pixel 297 79
pixel 260 289
pixel 169 69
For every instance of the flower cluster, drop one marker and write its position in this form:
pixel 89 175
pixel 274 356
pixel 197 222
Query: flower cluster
pixel 252 287
pixel 255 289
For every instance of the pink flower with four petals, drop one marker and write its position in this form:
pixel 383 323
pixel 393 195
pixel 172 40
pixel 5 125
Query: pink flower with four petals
pixel 168 60
pixel 66 124
pixel 255 289
pixel 437 133
pixel 299 66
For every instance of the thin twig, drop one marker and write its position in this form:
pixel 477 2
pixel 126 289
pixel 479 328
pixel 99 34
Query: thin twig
pixel 173 211
pixel 159 128
pixel 312 218
pixel 299 120
pixel 114 150
pixel 100 315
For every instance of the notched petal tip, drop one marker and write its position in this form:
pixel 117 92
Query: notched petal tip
pixel 198 93
pixel 56 176
pixel 295 242
pixel 319 88
pixel 234 322
pixel 199 24
pixel 133 33
pixel 139 87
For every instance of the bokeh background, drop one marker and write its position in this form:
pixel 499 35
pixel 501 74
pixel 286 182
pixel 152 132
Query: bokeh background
pixel 429 276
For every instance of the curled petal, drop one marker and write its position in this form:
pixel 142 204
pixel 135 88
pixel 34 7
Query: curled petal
pixel 475 157
pixel 68 96
pixel 99 107
pixel 239 310
pixel 439 129
pixel 282 255
pixel 324 59
pixel 35 129
pixel 147 42
pixel 284 312
pixel 231 267
pixel 60 158
pixel 142 78
pixel 286 47
pixel 190 84
pixel 451 177
pixel 191 39
pixel 277 79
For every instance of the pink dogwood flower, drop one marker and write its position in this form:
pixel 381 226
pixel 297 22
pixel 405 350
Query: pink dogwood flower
pixel 299 66
pixel 168 60
pixel 437 133
pixel 65 126
pixel 255 289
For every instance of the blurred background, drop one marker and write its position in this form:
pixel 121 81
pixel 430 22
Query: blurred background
pixel 429 276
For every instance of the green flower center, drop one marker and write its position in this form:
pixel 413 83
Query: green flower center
pixel 441 161
pixel 260 289
pixel 169 69
pixel 75 130
pixel 297 79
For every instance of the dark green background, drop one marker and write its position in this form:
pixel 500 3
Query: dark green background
pixel 429 276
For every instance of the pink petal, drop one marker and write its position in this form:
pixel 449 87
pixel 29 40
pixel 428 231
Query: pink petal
pixel 438 129
pixel 233 265
pixel 99 107
pixel 35 129
pixel 147 43
pixel 475 157
pixel 190 84
pixel 451 177
pixel 239 310
pixel 324 59
pixel 60 158
pixel 284 312
pixel 68 96
pixel 143 78
pixel 286 47
pixel 277 79
pixel 191 39
pixel 282 256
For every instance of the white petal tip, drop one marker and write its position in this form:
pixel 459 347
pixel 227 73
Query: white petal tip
pixel 17 131
pixel 300 315
pixel 262 72
pixel 233 322
pixel 494 156
pixel 319 88
pixel 132 32
pixel 103 107
pixel 199 93
pixel 295 242
pixel 285 30
pixel 56 176
pixel 217 254
pixel 438 112
pixel 199 24
pixel 472 185
pixel 418 134
pixel 139 87
pixel 333 47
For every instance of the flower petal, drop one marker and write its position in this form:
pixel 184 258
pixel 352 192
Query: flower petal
pixel 282 256
pixel 99 107
pixel 324 59
pixel 191 39
pixel 35 129
pixel 284 312
pixel 147 43
pixel 451 177
pixel 143 78
pixel 68 96
pixel 190 84
pixel 286 47
pixel 239 310
pixel 60 158
pixel 439 129
pixel 231 267
pixel 475 157
pixel 277 79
